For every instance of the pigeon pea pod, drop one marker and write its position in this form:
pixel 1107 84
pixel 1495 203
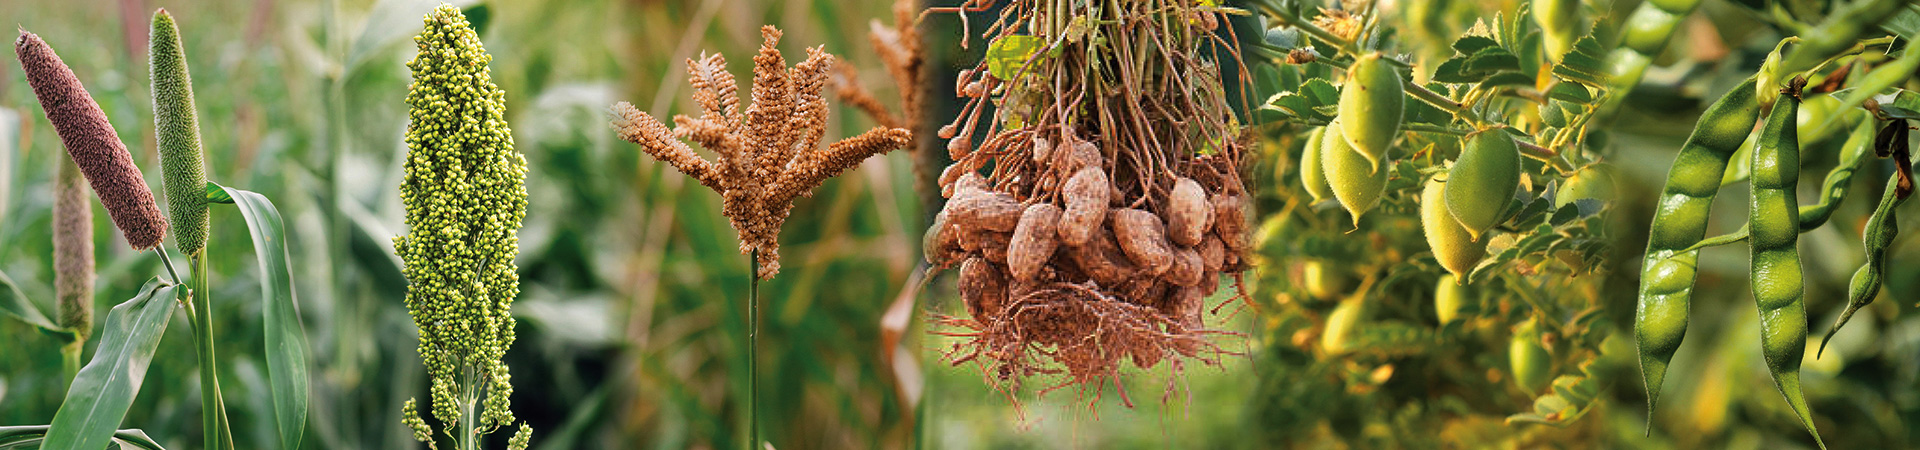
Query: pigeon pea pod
pixel 1882 227
pixel 1679 221
pixel 1774 224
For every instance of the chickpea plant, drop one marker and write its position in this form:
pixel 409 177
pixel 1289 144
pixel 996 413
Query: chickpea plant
pixel 1447 216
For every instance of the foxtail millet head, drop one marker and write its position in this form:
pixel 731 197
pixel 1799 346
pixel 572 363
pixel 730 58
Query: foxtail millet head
pixel 92 143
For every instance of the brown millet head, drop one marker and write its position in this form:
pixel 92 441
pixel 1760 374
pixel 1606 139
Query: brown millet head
pixel 73 250
pixel 92 143
pixel 764 157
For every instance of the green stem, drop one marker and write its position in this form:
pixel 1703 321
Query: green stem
pixel 753 352
pixel 70 357
pixel 468 439
pixel 213 409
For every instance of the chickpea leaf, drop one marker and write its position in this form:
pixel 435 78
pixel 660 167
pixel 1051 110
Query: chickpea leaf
pixel 1585 64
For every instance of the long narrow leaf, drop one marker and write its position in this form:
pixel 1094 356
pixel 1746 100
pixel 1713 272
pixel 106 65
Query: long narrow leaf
pixel 100 395
pixel 15 304
pixel 32 435
pixel 286 338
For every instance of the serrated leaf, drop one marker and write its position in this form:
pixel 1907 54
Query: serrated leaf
pixel 1320 91
pixel 1493 60
pixel 1563 215
pixel 1454 71
pixel 1585 64
pixel 1570 93
pixel 1006 55
pixel 1286 38
pixel 1471 44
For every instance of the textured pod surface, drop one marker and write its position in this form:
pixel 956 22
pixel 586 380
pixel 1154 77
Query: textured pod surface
pixel 1188 212
pixel 1143 238
pixel 1033 240
pixel 1102 260
pixel 1530 362
pixel 1371 105
pixel 1356 182
pixel 991 210
pixel 92 143
pixel 1230 221
pixel 73 250
pixel 941 244
pixel 1452 245
pixel 465 196
pixel 177 132
pixel 1313 174
pixel 1679 221
pixel 983 287
pixel 1778 279
pixel 1086 195
pixel 1188 267
pixel 1483 180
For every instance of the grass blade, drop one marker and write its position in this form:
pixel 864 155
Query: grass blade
pixel 285 337
pixel 15 304
pixel 32 435
pixel 100 395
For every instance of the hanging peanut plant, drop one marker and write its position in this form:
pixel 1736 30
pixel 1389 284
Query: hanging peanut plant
pixel 1102 203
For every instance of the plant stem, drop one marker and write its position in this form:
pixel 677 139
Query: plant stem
pixel 468 440
pixel 213 409
pixel 70 358
pixel 753 351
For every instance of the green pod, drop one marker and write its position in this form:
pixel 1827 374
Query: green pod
pixel 1342 324
pixel 1532 365
pixel 1679 221
pixel 1587 183
pixel 1322 283
pixel 1371 106
pixel 1483 180
pixel 1774 227
pixel 177 132
pixel 1878 236
pixel 1356 182
pixel 1313 174
pixel 1559 22
pixel 1449 294
pixel 1452 244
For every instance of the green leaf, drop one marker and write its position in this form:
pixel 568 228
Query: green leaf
pixel 31 435
pixel 15 304
pixel 1006 55
pixel 1905 23
pixel 1586 64
pixel 100 395
pixel 217 194
pixel 286 338
pixel 1493 60
pixel 478 16
pixel 1471 44
pixel 1571 93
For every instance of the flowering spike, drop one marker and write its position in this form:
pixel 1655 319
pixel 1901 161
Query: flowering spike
pixel 92 143
pixel 178 133
pixel 73 251
pixel 465 195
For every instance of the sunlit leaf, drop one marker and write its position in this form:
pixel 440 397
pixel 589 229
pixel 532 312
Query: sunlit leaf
pixel 1006 55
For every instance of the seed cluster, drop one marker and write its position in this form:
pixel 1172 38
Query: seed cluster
pixel 92 143
pixel 465 196
pixel 766 157
pixel 178 133
pixel 73 250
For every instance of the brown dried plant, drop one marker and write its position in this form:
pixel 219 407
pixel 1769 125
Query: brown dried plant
pixel 765 157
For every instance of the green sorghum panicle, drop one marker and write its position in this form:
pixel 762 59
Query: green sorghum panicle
pixel 178 133
pixel 1774 223
pixel 1877 238
pixel 1680 220
pixel 73 250
pixel 465 196
pixel 92 143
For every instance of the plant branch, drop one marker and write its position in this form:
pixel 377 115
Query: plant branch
pixel 753 352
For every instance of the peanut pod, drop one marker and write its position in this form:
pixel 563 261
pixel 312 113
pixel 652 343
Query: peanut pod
pixel 1034 240
pixel 1189 214
pixel 1086 196
pixel 1143 238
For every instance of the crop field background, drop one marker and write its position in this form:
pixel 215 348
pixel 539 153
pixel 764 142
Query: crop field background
pixel 631 324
